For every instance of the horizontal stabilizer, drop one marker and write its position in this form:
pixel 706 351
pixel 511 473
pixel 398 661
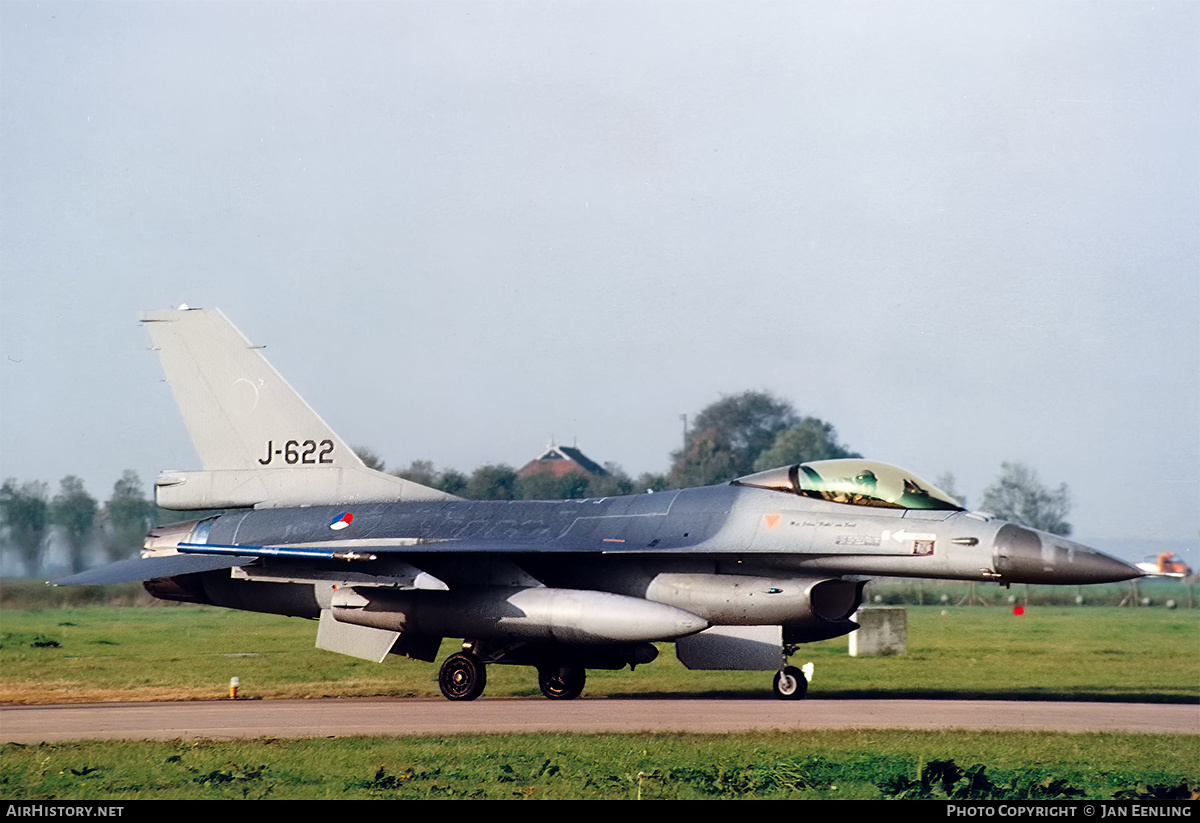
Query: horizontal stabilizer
pixel 284 487
pixel 149 568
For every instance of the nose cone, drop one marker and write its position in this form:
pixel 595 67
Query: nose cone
pixel 1028 556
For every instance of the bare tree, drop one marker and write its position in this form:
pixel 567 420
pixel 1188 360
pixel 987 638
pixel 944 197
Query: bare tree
pixel 126 517
pixel 948 483
pixel 1019 497
pixel 25 510
pixel 73 511
pixel 369 458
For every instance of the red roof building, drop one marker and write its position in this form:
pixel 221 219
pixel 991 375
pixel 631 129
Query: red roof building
pixel 559 460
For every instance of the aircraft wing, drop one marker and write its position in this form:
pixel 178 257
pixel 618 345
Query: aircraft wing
pixel 204 557
pixel 148 568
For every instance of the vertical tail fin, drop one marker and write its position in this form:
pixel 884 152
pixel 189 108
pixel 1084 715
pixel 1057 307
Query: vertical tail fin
pixel 259 443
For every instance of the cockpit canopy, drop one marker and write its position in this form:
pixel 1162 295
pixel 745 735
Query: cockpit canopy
pixel 857 482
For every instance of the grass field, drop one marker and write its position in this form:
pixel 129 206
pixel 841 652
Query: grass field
pixel 91 653
pixel 79 653
pixel 816 765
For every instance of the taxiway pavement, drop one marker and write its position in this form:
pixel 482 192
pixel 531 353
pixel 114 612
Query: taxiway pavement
pixel 229 719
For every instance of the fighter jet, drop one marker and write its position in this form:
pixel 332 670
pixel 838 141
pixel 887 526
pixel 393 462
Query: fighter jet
pixel 736 575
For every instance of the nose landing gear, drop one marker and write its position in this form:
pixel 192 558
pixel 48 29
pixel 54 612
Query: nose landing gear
pixel 790 684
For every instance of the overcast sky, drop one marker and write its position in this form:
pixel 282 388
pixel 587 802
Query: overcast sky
pixel 963 233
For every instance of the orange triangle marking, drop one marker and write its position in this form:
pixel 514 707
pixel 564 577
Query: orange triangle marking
pixel 772 520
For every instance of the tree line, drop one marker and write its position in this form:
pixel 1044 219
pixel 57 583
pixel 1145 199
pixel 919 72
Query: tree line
pixel 734 436
pixel 29 515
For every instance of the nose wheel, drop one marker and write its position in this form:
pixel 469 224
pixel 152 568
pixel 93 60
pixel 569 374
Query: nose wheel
pixel 561 682
pixel 463 677
pixel 790 684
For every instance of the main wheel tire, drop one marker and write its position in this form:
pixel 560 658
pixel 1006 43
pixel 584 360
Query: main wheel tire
pixel 562 682
pixel 790 684
pixel 463 677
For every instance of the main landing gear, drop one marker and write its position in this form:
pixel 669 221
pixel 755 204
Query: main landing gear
pixel 561 682
pixel 790 684
pixel 464 677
